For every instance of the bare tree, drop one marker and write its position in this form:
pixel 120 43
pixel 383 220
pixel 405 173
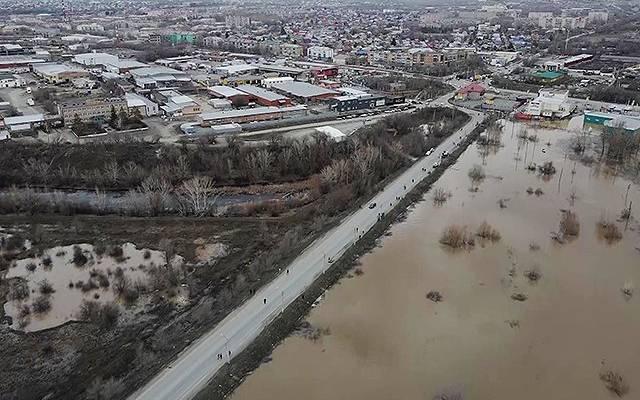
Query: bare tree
pixel 195 194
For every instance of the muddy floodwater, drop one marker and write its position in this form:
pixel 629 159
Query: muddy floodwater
pixel 388 341
pixel 71 283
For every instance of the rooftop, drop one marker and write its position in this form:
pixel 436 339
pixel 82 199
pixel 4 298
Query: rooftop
pixel 226 91
pixel 248 112
pixel 303 89
pixel 261 93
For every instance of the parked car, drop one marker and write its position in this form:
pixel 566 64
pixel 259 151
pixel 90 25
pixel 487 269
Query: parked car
pixel 372 206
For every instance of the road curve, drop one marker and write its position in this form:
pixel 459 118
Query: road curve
pixel 196 365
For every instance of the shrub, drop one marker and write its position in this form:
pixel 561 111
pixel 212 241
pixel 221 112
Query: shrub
pixel 45 287
pixel 615 383
pixel 440 196
pixel 569 224
pixel 100 277
pixel 519 296
pixel 486 231
pixel 105 315
pixel 609 230
pixel 18 290
pixel 46 261
pixel 147 254
pixel 456 237
pixel 476 174
pixel 547 168
pixel 434 296
pixel 100 249
pixel 533 275
pixel 31 266
pixel 116 252
pixel 79 259
pixel 41 305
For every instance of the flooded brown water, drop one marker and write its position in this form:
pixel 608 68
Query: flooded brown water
pixel 388 341
pixel 67 299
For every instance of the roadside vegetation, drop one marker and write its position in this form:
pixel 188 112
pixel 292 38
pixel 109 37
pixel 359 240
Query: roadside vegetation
pixel 170 196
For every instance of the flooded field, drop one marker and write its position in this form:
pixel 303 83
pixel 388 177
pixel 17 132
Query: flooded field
pixel 65 276
pixel 537 312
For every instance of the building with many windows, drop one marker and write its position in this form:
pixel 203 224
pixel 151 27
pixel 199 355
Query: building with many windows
pixel 320 53
pixel 91 109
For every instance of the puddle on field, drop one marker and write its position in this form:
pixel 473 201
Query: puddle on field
pixel 72 283
pixel 388 341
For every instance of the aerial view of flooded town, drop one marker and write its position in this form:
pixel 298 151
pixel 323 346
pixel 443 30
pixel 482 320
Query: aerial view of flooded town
pixel 323 200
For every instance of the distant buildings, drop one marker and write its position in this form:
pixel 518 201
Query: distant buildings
pixel 320 53
pixel 55 73
pixel 249 115
pixel 176 104
pixel 290 50
pixel 304 92
pixel 146 107
pixel 91 109
pixel 551 104
pixel 264 97
pixel 10 81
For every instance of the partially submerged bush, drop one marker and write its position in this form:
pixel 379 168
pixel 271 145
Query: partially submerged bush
pixel 18 290
pixel 547 168
pixel 608 230
pixel 440 196
pixel 434 296
pixel 627 289
pixel 486 231
pixel 41 305
pixel 456 237
pixel 519 296
pixel 533 275
pixel 615 383
pixel 569 224
pixel 79 259
pixel 105 315
pixel 45 287
pixel 46 261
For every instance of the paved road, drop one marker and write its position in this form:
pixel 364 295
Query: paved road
pixel 187 375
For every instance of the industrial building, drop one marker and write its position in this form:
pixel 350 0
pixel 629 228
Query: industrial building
pixel 55 73
pixel 229 93
pixel 146 107
pixel 23 123
pixel 304 92
pixel 159 77
pixel 19 63
pixel 631 124
pixel 356 102
pixel 176 104
pixel 264 97
pixel 10 81
pixel 249 115
pixel 551 104
pixel 91 109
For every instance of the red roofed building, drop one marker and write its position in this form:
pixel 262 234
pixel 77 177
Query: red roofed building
pixel 472 91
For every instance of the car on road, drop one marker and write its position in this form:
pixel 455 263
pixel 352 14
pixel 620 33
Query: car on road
pixel 372 206
pixel 429 152
pixel 30 102
pixel 436 165
pixel 444 154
